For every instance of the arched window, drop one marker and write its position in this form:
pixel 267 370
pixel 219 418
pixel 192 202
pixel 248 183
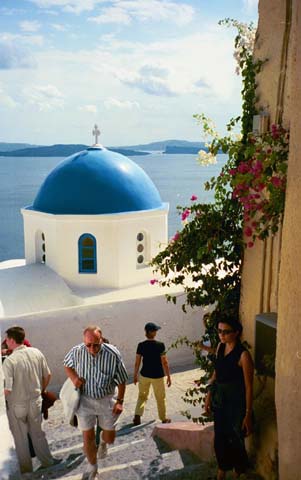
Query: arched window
pixel 87 254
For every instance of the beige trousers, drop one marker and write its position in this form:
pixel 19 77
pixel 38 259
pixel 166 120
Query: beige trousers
pixel 159 391
pixel 27 418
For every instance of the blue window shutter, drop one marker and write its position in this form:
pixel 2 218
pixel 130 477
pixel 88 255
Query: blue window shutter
pixel 87 258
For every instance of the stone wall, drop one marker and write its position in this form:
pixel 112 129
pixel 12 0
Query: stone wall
pixel 288 379
pixel 271 279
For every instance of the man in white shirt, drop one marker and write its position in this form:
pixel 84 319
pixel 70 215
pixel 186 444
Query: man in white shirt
pixel 97 369
pixel 26 375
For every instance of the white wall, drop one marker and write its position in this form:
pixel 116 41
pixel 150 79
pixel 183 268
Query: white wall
pixel 116 244
pixel 55 332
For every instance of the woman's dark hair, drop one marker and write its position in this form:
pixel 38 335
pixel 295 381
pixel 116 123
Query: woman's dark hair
pixel 232 322
pixel 16 333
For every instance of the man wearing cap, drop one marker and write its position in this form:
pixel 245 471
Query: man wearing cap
pixel 154 368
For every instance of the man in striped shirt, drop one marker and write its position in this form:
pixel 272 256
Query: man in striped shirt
pixel 97 369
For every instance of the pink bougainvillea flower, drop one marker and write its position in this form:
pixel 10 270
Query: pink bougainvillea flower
pixel 153 281
pixel 185 214
pixel 175 237
pixel 248 231
pixel 243 167
pixel 257 167
pixel 276 181
pixel 250 244
pixel 193 198
pixel 275 131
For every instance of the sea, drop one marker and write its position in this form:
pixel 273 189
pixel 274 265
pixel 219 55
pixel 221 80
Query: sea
pixel 176 176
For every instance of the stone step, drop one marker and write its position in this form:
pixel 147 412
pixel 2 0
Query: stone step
pixel 129 458
pixel 188 435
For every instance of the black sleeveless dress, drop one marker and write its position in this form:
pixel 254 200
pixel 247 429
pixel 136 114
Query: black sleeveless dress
pixel 229 408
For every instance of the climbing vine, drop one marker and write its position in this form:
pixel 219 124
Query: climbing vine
pixel 206 256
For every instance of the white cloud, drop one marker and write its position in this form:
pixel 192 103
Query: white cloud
pixel 201 84
pixel 121 104
pixel 88 108
pixel 13 54
pixel 178 66
pixel 151 85
pixel 11 11
pixel 6 100
pixel 30 26
pixel 126 11
pixel 73 6
pixel 59 27
pixel 36 40
pixel 113 15
pixel 154 70
pixel 251 5
pixel 46 97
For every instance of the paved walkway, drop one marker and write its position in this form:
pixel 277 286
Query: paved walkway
pixel 135 454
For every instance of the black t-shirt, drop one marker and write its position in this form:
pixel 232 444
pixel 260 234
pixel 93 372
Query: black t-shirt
pixel 226 366
pixel 151 352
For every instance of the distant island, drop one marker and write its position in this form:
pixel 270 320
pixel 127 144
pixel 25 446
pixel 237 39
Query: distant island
pixel 64 150
pixel 172 149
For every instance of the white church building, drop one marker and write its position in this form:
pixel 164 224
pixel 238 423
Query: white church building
pixel 90 233
pixel 96 221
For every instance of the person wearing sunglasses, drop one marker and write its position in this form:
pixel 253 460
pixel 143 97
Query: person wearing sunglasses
pixel 229 399
pixel 97 369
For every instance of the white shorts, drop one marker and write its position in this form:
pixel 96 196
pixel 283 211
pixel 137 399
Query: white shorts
pixel 100 408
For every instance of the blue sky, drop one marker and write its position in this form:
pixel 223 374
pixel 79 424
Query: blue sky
pixel 138 68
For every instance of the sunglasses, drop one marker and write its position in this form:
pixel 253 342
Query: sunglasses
pixel 94 345
pixel 227 331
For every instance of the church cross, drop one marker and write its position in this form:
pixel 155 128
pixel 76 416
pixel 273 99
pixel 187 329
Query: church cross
pixel 96 132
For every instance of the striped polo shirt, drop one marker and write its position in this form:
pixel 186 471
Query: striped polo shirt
pixel 102 372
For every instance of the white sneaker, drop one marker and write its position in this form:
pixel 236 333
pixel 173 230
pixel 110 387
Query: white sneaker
pixel 102 450
pixel 93 476
pixel 90 473
pixel 90 476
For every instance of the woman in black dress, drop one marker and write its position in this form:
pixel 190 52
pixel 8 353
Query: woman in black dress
pixel 229 398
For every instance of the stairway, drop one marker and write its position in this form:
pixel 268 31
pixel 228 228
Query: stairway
pixel 135 453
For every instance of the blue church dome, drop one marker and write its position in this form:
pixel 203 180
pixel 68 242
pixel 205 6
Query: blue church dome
pixel 97 181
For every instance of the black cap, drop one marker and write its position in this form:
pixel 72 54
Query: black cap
pixel 151 327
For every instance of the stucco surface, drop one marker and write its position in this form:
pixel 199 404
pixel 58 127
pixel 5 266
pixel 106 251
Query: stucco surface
pixel 56 331
pixel 271 280
pixel 271 273
pixel 32 288
pixel 288 380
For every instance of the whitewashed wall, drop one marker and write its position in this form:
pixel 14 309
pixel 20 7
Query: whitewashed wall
pixel 55 332
pixel 116 244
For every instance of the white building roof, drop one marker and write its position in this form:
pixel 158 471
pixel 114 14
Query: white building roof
pixel 32 288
